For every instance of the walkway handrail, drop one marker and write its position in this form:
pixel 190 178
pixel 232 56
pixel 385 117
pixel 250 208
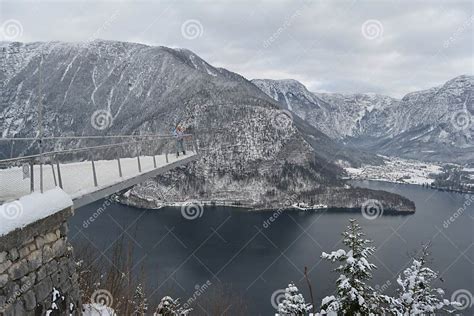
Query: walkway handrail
pixel 142 148
pixel 90 137
pixel 49 153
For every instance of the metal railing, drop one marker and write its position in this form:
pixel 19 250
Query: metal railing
pixel 74 163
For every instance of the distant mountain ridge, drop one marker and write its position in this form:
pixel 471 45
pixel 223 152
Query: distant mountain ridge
pixel 246 154
pixel 435 124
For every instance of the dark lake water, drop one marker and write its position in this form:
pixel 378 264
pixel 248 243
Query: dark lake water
pixel 234 247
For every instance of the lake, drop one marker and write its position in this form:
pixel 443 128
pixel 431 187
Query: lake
pixel 235 247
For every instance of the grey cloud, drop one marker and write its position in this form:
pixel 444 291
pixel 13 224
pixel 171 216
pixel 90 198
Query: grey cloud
pixel 320 43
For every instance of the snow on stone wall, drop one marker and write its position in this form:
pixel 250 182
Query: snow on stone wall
pixel 31 208
pixel 35 257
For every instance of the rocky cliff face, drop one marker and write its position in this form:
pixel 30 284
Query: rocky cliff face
pixel 435 124
pixel 249 149
pixel 337 115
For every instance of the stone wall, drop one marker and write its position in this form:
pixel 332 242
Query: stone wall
pixel 34 261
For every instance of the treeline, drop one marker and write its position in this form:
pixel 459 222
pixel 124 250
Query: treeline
pixel 354 295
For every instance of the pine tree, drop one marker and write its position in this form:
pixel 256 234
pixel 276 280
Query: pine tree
pixel 353 296
pixel 139 302
pixel 416 295
pixel 293 304
pixel 171 307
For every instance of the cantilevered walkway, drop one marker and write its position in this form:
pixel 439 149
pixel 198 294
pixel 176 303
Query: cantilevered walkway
pixel 90 173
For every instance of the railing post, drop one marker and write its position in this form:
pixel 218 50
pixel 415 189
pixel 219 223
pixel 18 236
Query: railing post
pixel 166 150
pixel 119 167
pixel 54 174
pixel 59 175
pixel 195 147
pixel 139 164
pixel 93 171
pixel 154 161
pixel 138 160
pixel 32 176
pixel 41 175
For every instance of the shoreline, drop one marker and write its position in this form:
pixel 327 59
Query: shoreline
pixel 387 212
pixel 415 184
pixel 333 198
pixel 269 209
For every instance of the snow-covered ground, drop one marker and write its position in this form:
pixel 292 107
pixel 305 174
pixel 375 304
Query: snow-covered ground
pixel 77 178
pixel 306 207
pixel 471 173
pixel 397 170
pixel 31 208
pixel 99 310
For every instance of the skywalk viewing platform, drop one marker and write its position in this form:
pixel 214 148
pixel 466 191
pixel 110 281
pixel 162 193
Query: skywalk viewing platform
pixel 91 173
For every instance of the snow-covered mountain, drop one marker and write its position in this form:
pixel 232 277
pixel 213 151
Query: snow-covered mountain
pixel 336 115
pixel 434 124
pixel 247 153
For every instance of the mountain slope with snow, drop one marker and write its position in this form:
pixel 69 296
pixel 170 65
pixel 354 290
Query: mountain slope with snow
pixel 434 124
pixel 336 115
pixel 246 151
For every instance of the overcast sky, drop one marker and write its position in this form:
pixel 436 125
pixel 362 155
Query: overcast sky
pixel 389 47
